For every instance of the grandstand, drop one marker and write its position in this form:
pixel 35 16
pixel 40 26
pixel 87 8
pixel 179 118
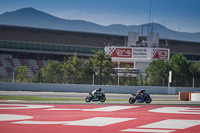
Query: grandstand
pixel 9 65
pixel 20 46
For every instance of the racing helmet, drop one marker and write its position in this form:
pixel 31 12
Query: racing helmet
pixel 142 90
pixel 99 89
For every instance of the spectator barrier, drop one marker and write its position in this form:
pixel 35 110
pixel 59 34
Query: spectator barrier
pixel 87 88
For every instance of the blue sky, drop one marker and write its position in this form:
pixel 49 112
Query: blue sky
pixel 179 15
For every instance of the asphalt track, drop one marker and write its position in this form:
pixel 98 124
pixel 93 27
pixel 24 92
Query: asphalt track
pixel 95 118
pixel 80 95
pixel 157 99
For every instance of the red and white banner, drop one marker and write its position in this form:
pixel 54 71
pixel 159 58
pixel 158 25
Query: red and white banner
pixel 160 54
pixel 141 53
pixel 120 52
pixel 137 53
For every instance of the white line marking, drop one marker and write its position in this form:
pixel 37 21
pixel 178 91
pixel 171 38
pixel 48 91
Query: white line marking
pixel 99 121
pixel 64 109
pixel 111 108
pixel 177 110
pixel 23 106
pixel 148 130
pixel 96 121
pixel 40 122
pixel 173 124
pixel 11 117
pixel 106 109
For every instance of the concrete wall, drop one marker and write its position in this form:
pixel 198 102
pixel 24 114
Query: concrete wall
pixel 186 89
pixel 88 88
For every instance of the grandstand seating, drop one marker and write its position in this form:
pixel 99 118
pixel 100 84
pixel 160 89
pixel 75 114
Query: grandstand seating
pixel 30 72
pixel 3 72
pixel 24 62
pixel 10 61
pixel 9 65
pixel 33 65
pixel 9 71
pixel 1 64
pixel 45 63
pixel 40 64
pixel 16 62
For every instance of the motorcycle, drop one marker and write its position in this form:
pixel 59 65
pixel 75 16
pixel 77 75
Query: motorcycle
pixel 97 97
pixel 140 99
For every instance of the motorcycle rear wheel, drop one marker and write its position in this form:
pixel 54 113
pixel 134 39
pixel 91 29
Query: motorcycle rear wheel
pixel 88 99
pixel 131 100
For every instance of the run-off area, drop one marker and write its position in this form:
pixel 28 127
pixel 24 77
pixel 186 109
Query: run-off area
pixel 51 118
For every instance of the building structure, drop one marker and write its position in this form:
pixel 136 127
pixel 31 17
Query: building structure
pixel 21 46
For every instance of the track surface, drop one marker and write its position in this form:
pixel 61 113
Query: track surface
pixel 80 95
pixel 71 118
pixel 157 99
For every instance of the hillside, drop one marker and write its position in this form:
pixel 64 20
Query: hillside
pixel 31 17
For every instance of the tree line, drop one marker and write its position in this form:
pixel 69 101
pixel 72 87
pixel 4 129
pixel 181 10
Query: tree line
pixel 183 72
pixel 74 71
pixel 98 69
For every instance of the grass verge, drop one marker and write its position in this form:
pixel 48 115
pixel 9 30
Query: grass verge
pixel 36 98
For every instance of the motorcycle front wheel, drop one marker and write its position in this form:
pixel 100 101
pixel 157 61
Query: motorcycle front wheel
pixel 102 99
pixel 131 100
pixel 88 99
pixel 148 100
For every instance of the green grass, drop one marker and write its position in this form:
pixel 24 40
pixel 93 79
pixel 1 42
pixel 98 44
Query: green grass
pixel 36 98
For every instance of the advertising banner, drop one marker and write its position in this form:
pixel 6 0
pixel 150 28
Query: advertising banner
pixel 117 52
pixel 141 53
pixel 160 54
pixel 137 53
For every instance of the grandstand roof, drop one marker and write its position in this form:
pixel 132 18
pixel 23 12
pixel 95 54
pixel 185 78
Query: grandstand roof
pixel 27 34
pixel 62 37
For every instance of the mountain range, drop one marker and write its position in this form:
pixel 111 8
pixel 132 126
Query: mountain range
pixel 30 17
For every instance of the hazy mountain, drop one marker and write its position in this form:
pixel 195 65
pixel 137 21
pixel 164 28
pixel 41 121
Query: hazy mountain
pixel 31 17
